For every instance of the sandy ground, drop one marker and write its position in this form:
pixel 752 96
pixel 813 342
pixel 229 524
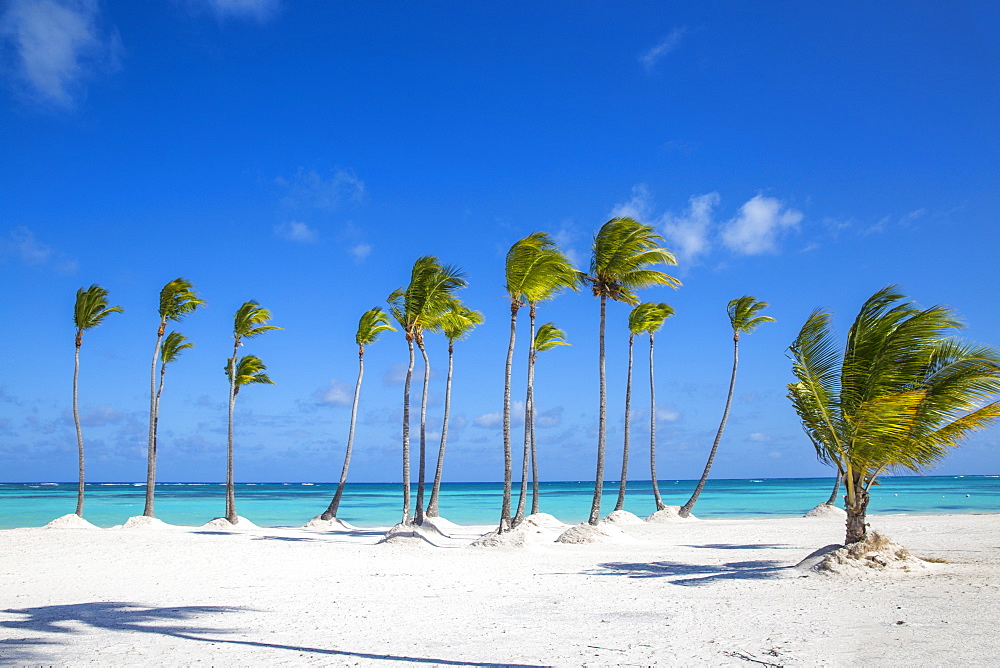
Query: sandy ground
pixel 708 592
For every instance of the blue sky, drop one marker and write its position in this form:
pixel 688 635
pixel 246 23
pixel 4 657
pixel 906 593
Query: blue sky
pixel 305 154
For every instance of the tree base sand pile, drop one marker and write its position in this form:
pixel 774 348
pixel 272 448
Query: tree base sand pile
pixel 71 521
pixel 669 514
pixel 876 553
pixel 827 510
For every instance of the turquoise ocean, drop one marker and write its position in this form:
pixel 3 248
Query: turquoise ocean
pixel 376 504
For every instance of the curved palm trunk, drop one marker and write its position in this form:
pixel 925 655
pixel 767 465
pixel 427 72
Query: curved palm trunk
pixel 832 501
pixel 432 505
pixel 534 457
pixel 76 421
pixel 230 488
pixel 507 457
pixel 331 510
pixel 856 505
pixel 153 406
pixel 595 506
pixel 529 420
pixel 423 434
pixel 652 430
pixel 159 392
pixel 620 504
pixel 686 508
pixel 406 436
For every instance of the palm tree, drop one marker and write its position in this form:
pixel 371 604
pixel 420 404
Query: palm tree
pixel 90 309
pixel 646 317
pixel 372 324
pixel 535 270
pixel 170 350
pixel 177 300
pixel 665 312
pixel 903 392
pixel 249 322
pixel 624 252
pixel 456 324
pixel 744 319
pixel 547 337
pixel 418 308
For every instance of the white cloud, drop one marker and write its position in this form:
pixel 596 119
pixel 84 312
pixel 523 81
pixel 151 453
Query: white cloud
pixel 336 394
pixel 361 252
pixel 688 233
pixel 495 420
pixel 295 231
pixel 639 208
pixel 22 244
pixel 758 437
pixel 310 190
pixel 667 415
pixel 670 43
pixel 58 44
pixel 549 418
pixel 258 10
pixel 564 239
pixel 758 225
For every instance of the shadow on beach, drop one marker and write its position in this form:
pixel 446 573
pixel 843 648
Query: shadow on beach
pixel 696 574
pixel 65 620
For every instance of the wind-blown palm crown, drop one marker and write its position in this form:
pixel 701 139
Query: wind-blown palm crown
pixel 648 317
pixel 624 251
pixel 250 321
pixel 419 305
pixel 458 322
pixel 536 270
pixel 902 392
pixel 548 337
pixel 173 345
pixel 249 371
pixel 743 315
pixel 178 300
pixel 373 323
pixel 91 308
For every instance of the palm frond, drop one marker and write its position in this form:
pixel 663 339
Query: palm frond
pixel 373 323
pixel 624 252
pixel 249 370
pixel 251 321
pixel 549 336
pixel 815 363
pixel 178 299
pixel 743 314
pixel 91 308
pixel 458 322
pixel 648 317
pixel 173 345
pixel 536 270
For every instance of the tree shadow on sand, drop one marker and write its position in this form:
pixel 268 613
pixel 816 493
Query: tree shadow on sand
pixel 696 574
pixel 179 622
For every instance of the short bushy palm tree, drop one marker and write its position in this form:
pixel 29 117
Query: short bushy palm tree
pixel 177 300
pixel 373 323
pixel 456 324
pixel 744 318
pixel 625 253
pixel 647 317
pixel 418 308
pixel 90 310
pixel 249 322
pixel 901 394
pixel 535 270
pixel 547 337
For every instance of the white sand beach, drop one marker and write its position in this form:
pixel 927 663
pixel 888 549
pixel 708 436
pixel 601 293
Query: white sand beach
pixel 704 592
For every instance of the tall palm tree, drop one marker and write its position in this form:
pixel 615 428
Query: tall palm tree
pixel 456 324
pixel 417 308
pixel 177 300
pixel 744 319
pixel 90 310
pixel 901 394
pixel 645 317
pixel 624 254
pixel 372 324
pixel 547 337
pixel 535 270
pixel 249 322
pixel 665 312
pixel 173 345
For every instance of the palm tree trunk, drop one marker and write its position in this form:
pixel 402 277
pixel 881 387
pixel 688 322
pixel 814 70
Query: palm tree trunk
pixel 406 436
pixel 331 510
pixel 151 448
pixel 652 430
pixel 595 506
pixel 534 457
pixel 620 505
pixel 508 464
pixel 156 420
pixel 832 501
pixel 686 508
pixel 856 506
pixel 230 487
pixel 529 419
pixel 76 421
pixel 432 505
pixel 423 434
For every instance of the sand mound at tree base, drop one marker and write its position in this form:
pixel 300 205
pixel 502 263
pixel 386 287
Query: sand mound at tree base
pixel 587 533
pixel 71 521
pixel 669 514
pixel 332 524
pixel 876 553
pixel 623 517
pixel 525 534
pixel 223 523
pixel 544 520
pixel 438 525
pixel 143 522
pixel 827 510
pixel 406 534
